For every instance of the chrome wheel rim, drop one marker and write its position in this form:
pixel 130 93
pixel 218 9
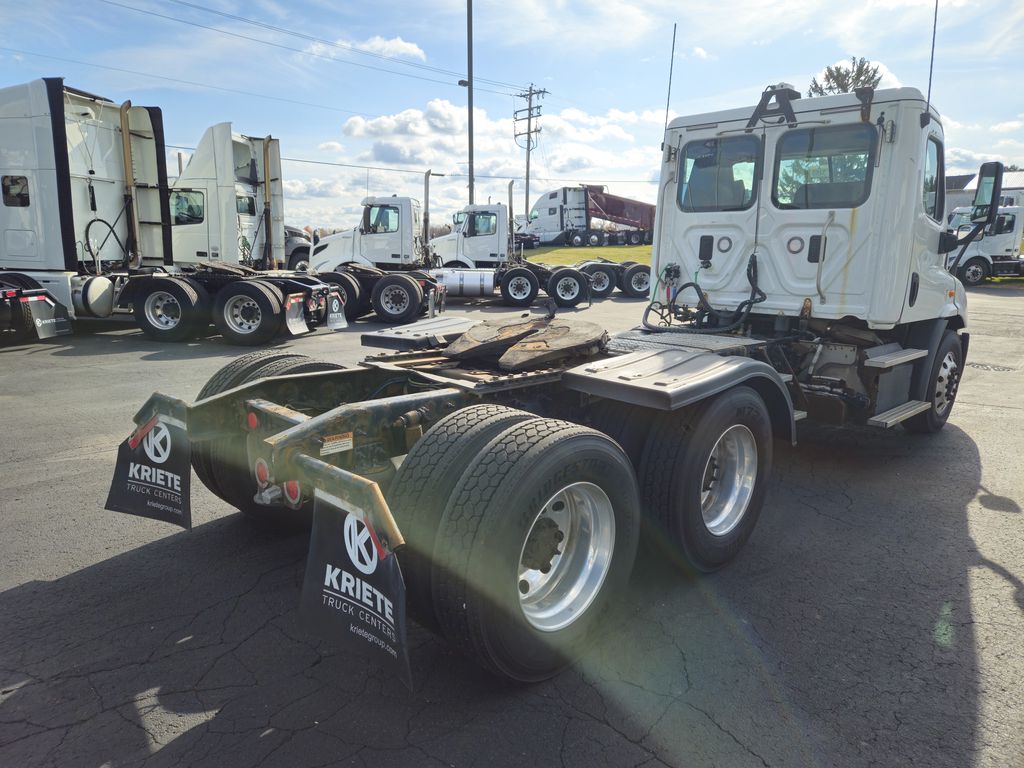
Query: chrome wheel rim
pixel 567 288
pixel 594 239
pixel 395 299
pixel 573 535
pixel 301 266
pixel 641 281
pixel 242 314
pixel 162 310
pixel 973 273
pixel 519 287
pixel 729 478
pixel 946 383
pixel 600 281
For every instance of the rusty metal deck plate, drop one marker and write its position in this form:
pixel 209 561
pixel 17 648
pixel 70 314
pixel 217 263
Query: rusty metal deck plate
pixel 424 334
pixel 638 340
pixel 529 343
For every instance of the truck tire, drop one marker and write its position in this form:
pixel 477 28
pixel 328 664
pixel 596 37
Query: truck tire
pixel 704 474
pixel 299 260
pixel 576 239
pixel 567 286
pixel 503 591
pixel 944 381
pixel 974 272
pixel 397 299
pixel 248 312
pixel 424 482
pixel 635 238
pixel 623 266
pixel 636 281
pixel 602 280
pixel 519 287
pixel 628 425
pixel 351 293
pixel 230 376
pixel 170 309
pixel 228 456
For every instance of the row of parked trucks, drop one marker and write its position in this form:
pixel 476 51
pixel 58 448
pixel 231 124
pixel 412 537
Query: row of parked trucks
pixel 90 217
pixel 492 486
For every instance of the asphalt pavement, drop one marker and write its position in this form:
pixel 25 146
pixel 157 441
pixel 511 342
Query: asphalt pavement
pixel 874 618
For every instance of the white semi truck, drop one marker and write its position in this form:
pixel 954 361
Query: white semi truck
pixel 589 215
pixel 506 470
pixel 88 215
pixel 998 251
pixel 476 259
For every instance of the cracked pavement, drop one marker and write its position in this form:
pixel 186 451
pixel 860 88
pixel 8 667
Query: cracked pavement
pixel 872 620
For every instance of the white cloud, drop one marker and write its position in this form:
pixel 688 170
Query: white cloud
pixel 330 146
pixel 394 47
pixel 1008 126
pixel 699 53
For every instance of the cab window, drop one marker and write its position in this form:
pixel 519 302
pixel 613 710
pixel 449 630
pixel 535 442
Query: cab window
pixel 934 192
pixel 245 205
pixel 719 174
pixel 382 219
pixel 828 167
pixel 1004 223
pixel 15 189
pixel 187 206
pixel 484 224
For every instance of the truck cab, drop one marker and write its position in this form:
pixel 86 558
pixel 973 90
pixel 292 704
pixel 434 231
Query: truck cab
pixel 389 236
pixel 479 238
pixel 996 252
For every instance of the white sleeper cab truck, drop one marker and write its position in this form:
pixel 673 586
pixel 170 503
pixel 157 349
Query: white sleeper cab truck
pixel 800 272
pixel 87 215
pixel 997 251
pixel 589 215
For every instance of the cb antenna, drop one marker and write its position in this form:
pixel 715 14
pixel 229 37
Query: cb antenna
pixel 671 64
pixel 927 116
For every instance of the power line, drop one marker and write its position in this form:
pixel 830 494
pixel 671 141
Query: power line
pixel 338 44
pixel 185 82
pixel 287 47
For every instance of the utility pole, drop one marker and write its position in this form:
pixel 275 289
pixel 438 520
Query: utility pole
pixel 531 113
pixel 469 87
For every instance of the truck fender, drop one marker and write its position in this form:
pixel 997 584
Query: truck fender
pixel 925 334
pixel 671 379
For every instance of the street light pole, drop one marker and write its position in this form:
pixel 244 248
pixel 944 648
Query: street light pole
pixel 469 86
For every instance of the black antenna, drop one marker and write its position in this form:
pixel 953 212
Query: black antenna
pixel 927 116
pixel 671 64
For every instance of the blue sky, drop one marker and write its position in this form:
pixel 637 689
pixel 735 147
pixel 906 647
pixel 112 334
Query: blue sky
pixel 396 103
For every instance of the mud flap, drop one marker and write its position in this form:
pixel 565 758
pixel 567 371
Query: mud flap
pixel 49 317
pixel 336 311
pixel 153 472
pixel 353 592
pixel 295 315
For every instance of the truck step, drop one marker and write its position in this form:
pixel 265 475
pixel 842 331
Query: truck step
pixel 892 359
pixel 900 413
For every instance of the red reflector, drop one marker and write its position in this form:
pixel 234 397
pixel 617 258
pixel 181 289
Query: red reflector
pixel 262 472
pixel 252 420
pixel 292 491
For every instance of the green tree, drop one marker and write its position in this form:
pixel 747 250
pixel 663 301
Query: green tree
pixel 844 79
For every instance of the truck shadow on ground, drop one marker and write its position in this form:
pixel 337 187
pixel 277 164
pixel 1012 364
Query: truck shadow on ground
pixel 842 635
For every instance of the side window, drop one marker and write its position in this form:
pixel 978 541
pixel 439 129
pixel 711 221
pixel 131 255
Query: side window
pixel 934 192
pixel 15 191
pixel 1004 223
pixel 383 219
pixel 245 205
pixel 485 224
pixel 826 167
pixel 719 174
pixel 551 212
pixel 552 195
pixel 187 206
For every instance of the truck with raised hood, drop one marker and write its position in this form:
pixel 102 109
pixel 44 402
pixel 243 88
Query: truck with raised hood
pixel 582 215
pixel 998 251
pixel 489 481
pixel 387 263
pixel 88 215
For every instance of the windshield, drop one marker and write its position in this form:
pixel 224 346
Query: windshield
pixel 959 220
pixel 719 174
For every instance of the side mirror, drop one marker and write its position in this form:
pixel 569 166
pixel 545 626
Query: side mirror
pixel 316 238
pixel 986 199
pixel 948 241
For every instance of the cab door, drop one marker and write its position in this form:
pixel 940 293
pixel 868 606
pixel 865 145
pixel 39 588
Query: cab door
pixel 190 226
pixel 480 243
pixel 381 234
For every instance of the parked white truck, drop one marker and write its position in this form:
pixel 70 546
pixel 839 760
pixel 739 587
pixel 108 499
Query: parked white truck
pixel 507 470
pixel 998 251
pixel 589 215
pixel 88 215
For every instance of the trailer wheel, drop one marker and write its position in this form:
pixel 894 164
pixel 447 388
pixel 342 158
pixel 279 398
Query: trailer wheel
pixel 602 280
pixel 228 456
pixel 636 281
pixel 704 474
pixel 594 239
pixel 351 292
pixel 248 312
pixel 634 238
pixel 538 537
pixel 424 482
pixel 519 287
pixel 944 383
pixel 397 299
pixel 974 272
pixel 169 309
pixel 567 286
